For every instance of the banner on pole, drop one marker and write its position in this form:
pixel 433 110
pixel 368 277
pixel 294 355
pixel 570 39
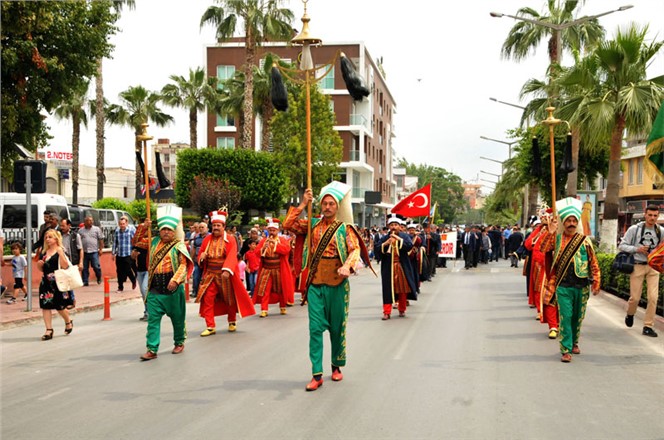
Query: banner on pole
pixel 448 245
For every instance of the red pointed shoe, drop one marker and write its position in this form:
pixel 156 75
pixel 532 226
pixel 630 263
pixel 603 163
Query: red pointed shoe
pixel 314 384
pixel 337 376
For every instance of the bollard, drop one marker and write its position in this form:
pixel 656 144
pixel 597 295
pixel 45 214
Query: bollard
pixel 186 290
pixel 107 300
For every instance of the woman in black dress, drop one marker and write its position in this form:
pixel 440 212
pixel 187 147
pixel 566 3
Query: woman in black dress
pixel 50 297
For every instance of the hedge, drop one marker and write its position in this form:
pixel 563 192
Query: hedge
pixel 618 283
pixel 261 180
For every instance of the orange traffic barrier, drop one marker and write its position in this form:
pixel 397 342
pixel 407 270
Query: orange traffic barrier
pixel 107 300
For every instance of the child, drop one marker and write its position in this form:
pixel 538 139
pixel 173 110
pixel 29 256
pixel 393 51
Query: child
pixel 242 267
pixel 19 264
pixel 253 261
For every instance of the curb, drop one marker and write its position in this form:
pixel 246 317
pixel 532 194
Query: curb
pixel 640 311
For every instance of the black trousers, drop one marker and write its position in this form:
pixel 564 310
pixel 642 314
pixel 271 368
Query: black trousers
pixel 467 255
pixel 125 268
pixel 433 260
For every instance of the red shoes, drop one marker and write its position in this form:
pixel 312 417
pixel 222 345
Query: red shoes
pixel 566 358
pixel 178 349
pixel 314 384
pixel 576 350
pixel 385 317
pixel 337 376
pixel 149 355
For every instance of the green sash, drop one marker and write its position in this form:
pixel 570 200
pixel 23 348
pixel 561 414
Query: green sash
pixel 320 249
pixel 566 256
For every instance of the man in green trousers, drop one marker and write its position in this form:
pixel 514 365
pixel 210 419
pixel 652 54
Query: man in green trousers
pixel 169 265
pixel 331 252
pixel 574 272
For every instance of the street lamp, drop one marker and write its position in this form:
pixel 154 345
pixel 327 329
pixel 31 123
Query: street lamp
pixel 557 28
pixel 501 162
pixel 509 144
pixel 492 174
pixel 507 103
pixel 490 181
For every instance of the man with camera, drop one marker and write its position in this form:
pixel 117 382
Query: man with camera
pixel 639 240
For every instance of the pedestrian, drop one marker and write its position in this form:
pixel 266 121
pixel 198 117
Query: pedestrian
pixel 49 223
pixel 73 246
pixel 19 263
pixel 139 253
pixel 336 247
pixel 121 252
pixel 433 245
pixel 195 248
pixel 93 245
pixel 169 267
pixel 253 263
pixel 574 272
pixel 485 249
pixel 396 272
pixel 274 283
pixel 221 291
pixel 50 297
pixel 514 242
pixel 640 240
pixel 469 240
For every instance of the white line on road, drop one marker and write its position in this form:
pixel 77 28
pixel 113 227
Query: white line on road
pixel 53 394
pixel 413 330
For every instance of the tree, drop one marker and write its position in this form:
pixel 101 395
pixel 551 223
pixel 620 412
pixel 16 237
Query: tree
pixel 289 139
pixel 138 106
pixel 446 189
pixel 263 20
pixel 616 96
pixel 261 178
pixel 115 6
pixel 194 94
pixel 208 194
pixel 524 38
pixel 74 109
pixel 48 52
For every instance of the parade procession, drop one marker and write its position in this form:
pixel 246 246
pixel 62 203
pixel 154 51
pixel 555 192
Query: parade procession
pixel 255 219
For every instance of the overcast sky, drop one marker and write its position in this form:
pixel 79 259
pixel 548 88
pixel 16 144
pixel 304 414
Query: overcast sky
pixel 442 61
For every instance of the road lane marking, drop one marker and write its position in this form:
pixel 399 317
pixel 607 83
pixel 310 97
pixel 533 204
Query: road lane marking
pixel 53 394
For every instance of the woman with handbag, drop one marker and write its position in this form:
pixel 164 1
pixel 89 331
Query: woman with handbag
pixel 50 297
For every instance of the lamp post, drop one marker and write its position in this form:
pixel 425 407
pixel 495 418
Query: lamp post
pixel 509 144
pixel 491 174
pixel 558 28
pixel 501 162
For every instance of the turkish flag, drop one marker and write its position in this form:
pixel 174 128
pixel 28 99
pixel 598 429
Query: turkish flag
pixel 417 204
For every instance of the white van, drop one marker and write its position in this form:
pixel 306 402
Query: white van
pixel 109 218
pixel 13 213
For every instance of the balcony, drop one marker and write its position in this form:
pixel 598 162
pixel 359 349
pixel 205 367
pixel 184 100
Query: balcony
pixel 357 122
pixel 358 192
pixel 354 155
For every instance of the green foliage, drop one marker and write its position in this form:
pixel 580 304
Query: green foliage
pixel 110 203
pixel 446 189
pixel 209 194
pixel 49 49
pixel 138 211
pixel 189 219
pixel 289 140
pixel 262 180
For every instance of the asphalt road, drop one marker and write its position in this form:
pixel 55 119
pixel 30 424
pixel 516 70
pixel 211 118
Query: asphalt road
pixel 468 362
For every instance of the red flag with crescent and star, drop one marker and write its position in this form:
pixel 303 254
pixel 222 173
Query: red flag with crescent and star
pixel 417 204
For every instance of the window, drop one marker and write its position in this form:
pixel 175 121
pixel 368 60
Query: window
pixel 224 73
pixel 226 142
pixel 167 157
pixel 13 216
pixel 327 83
pixel 225 121
pixel 630 172
pixel 639 171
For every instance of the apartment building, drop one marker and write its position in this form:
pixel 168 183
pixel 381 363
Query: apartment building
pixel 366 127
pixel 168 156
pixel 637 189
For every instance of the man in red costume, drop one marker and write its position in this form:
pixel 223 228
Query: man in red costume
pixel 275 279
pixel 540 266
pixel 221 291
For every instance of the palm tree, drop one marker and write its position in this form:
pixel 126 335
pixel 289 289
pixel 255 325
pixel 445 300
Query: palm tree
pixel 616 96
pixel 74 109
pixel 263 20
pixel 524 37
pixel 195 94
pixel 138 106
pixel 100 117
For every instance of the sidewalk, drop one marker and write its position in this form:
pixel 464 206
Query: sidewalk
pixel 89 298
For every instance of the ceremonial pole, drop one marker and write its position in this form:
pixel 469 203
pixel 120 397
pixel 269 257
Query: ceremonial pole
pixel 552 122
pixel 144 138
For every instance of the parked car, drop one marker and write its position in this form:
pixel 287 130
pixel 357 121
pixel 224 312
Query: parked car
pixel 13 218
pixel 109 218
pixel 77 214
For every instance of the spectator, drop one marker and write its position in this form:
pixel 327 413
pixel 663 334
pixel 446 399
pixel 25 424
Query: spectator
pixel 253 263
pixel 73 246
pixel 195 248
pixel 514 242
pixel 640 240
pixel 121 251
pixel 19 264
pixel 139 253
pixel 93 245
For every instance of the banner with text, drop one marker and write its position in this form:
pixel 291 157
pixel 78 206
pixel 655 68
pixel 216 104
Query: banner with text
pixel 448 245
